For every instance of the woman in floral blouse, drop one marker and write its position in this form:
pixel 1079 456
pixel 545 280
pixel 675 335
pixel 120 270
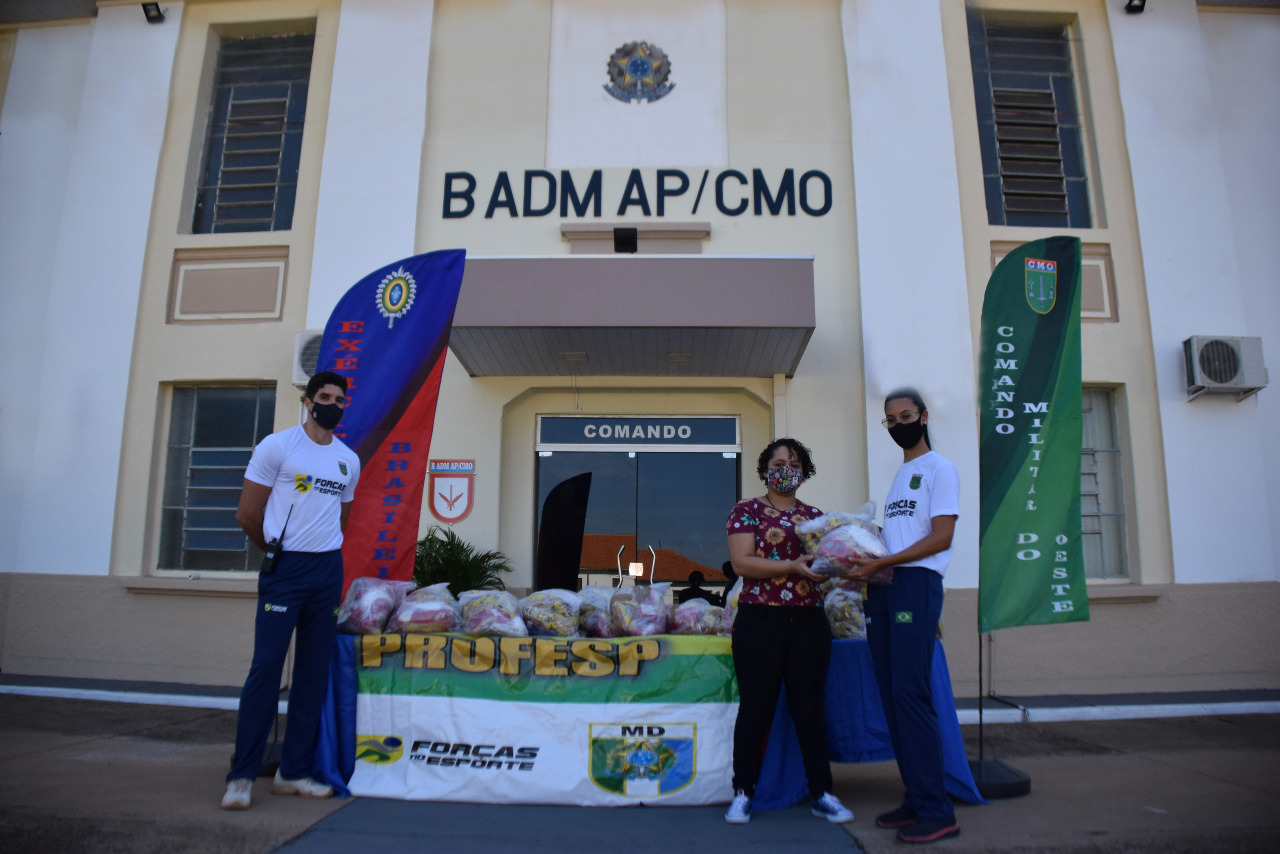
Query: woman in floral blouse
pixel 780 633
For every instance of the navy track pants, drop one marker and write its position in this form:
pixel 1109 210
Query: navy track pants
pixel 302 593
pixel 902 624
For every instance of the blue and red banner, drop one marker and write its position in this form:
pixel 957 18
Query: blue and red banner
pixel 388 336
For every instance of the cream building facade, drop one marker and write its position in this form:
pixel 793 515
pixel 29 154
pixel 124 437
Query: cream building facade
pixel 839 142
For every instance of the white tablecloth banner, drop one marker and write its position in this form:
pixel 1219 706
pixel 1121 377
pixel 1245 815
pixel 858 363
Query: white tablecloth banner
pixel 585 722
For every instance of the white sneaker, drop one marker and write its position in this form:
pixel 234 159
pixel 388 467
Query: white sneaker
pixel 739 811
pixel 304 786
pixel 237 796
pixel 830 808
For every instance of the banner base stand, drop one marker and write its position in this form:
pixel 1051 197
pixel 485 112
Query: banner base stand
pixel 995 780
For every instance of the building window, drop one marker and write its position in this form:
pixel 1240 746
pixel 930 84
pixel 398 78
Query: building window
pixel 1029 124
pixel 212 433
pixel 254 138
pixel 1102 489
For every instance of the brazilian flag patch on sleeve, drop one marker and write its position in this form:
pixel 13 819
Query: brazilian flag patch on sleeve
pixel 902 617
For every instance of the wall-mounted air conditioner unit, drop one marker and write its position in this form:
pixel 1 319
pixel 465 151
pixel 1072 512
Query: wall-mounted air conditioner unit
pixel 306 352
pixel 1223 364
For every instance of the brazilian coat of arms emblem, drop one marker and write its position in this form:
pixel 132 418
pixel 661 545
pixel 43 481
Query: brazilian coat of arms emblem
pixel 642 760
pixel 638 71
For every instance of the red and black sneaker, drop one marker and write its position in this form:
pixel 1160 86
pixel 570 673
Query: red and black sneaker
pixel 901 817
pixel 929 830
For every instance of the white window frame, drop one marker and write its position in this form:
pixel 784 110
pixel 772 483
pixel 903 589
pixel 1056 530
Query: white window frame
pixel 1102 488
pixel 216 499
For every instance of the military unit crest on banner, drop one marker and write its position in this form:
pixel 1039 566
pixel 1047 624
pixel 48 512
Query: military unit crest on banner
pixel 1042 284
pixel 395 295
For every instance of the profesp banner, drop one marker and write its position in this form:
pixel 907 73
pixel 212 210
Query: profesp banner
pixel 1031 568
pixel 388 336
pixel 587 722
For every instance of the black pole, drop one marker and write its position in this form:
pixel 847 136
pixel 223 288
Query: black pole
pixel 993 778
pixel 981 736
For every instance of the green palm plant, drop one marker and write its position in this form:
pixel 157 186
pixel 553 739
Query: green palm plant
pixel 444 556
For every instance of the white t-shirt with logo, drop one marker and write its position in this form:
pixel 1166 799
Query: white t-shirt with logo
pixel 925 487
pixel 315 480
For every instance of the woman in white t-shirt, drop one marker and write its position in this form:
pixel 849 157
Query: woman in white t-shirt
pixel 902 616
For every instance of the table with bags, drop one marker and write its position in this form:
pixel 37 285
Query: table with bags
pixel 604 696
pixel 581 721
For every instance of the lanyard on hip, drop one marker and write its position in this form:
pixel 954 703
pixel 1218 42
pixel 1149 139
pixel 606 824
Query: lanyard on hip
pixel 285 526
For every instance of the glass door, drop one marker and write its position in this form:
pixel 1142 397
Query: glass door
pixel 682 502
pixel 674 502
pixel 611 504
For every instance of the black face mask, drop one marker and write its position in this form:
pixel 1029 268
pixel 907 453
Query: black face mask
pixel 327 415
pixel 907 435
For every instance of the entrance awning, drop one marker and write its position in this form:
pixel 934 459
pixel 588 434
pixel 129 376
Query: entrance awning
pixel 634 315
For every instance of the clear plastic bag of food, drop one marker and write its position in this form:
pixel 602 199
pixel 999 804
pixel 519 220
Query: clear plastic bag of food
pixel 433 593
pixel 427 609
pixel 695 617
pixel 369 603
pixel 431 615
pixel 551 612
pixel 843 599
pixel 640 610
pixel 730 607
pixel 837 539
pixel 492 612
pixel 593 616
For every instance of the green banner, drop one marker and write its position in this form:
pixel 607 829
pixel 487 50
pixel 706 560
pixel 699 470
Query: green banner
pixel 1031 567
pixel 661 669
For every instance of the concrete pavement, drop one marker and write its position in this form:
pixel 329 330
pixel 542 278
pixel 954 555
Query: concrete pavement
pixel 87 776
pixel 91 776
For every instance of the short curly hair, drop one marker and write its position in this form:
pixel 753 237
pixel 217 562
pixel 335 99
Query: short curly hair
pixel 321 379
pixel 807 468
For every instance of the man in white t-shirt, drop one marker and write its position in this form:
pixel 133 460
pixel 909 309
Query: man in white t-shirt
pixel 295 501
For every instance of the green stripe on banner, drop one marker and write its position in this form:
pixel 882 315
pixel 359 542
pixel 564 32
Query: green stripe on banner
pixel 662 669
pixel 1031 566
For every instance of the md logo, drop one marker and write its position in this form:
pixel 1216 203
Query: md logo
pixel 642 760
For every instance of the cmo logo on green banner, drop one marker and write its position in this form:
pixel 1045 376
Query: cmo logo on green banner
pixel 1042 284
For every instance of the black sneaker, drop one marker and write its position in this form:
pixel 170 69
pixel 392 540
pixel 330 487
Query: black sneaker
pixel 929 830
pixel 901 817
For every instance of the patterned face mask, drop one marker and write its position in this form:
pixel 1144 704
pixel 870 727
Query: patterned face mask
pixel 785 480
